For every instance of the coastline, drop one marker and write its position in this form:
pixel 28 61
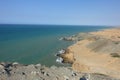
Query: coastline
pixel 97 53
pixel 89 56
pixel 32 44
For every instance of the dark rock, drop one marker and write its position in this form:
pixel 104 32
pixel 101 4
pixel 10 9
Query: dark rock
pixel 74 74
pixel 8 65
pixel 83 78
pixel 23 73
pixel 8 71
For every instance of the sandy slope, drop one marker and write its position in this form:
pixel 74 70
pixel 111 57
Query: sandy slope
pixel 94 61
pixel 112 34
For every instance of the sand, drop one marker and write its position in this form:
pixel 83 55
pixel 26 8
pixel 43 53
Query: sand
pixel 97 60
pixel 112 34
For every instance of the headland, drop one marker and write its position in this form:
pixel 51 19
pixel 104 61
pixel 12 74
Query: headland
pixel 95 52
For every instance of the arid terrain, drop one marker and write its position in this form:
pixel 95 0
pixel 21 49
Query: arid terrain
pixel 98 52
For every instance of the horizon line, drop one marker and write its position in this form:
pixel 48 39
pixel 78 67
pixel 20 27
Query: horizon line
pixel 57 24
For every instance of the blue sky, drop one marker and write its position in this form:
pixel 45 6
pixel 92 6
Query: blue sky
pixel 71 12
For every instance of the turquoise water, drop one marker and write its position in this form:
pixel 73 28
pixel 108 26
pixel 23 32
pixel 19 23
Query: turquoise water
pixel 32 44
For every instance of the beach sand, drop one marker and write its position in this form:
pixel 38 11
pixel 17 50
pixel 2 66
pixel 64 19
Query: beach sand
pixel 93 55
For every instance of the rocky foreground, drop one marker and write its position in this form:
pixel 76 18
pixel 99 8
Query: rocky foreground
pixel 16 71
pixel 95 52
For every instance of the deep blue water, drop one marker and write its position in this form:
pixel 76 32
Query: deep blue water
pixel 31 44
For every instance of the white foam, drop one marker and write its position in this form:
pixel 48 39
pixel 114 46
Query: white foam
pixel 61 51
pixel 59 60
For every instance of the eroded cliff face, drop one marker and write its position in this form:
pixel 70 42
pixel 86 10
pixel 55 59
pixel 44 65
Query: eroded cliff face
pixel 67 56
pixel 99 53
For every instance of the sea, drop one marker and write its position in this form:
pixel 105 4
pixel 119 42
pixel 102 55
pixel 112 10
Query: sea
pixel 33 44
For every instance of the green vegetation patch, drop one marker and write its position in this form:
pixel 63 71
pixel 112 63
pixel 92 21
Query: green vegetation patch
pixel 115 55
pixel 100 74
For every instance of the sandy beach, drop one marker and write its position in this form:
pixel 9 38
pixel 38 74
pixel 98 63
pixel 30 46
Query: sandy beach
pixel 99 53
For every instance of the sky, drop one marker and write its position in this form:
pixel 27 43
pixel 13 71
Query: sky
pixel 63 12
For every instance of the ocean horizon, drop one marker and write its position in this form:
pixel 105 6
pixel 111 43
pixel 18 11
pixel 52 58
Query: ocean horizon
pixel 32 44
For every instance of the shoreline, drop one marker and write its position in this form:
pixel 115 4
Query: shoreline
pixel 99 52
pixel 87 59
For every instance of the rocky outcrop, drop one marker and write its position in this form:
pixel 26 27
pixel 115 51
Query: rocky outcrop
pixel 67 56
pixel 78 37
pixel 67 38
pixel 16 71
